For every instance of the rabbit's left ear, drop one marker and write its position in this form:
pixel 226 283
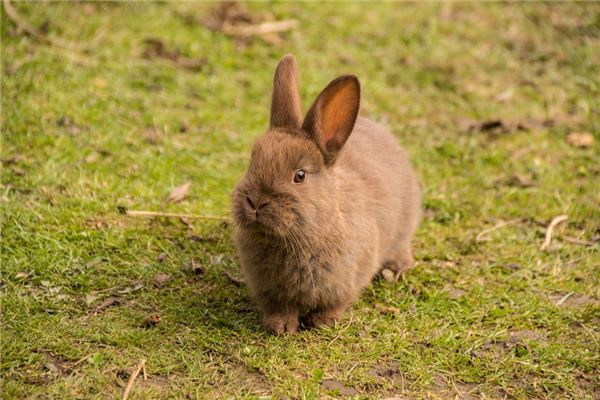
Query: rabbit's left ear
pixel 285 103
pixel 332 116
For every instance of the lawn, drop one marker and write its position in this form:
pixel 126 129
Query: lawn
pixel 497 105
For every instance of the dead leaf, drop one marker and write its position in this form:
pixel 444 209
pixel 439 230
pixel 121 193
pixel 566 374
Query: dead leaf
pixel 17 170
pixel 387 310
pixel 89 8
pixel 230 12
pixel 512 267
pixel 96 223
pixel 184 126
pixel 109 302
pixel 160 279
pixel 100 83
pixel 71 127
pixel 580 139
pixel 506 95
pixel 22 275
pixel 185 221
pixel 92 158
pixel 151 320
pixel 180 192
pixel 518 180
pixel 156 48
pixel 193 267
pixel 151 136
pixel 499 126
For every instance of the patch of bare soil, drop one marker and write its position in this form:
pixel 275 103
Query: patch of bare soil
pixel 466 391
pixel 160 382
pixel 443 389
pixel 338 387
pixel 454 293
pixel 389 371
pixel 239 375
pixel 517 341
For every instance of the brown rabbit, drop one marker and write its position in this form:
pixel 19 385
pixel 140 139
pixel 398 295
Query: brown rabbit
pixel 326 203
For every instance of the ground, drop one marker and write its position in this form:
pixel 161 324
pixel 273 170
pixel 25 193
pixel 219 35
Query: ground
pixel 497 106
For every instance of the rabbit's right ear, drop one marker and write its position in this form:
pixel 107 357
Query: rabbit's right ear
pixel 285 103
pixel 331 118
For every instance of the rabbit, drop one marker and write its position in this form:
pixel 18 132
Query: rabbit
pixel 327 203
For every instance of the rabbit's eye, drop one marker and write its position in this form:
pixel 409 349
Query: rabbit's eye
pixel 300 176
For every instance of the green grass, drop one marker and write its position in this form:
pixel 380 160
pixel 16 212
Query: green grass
pixel 476 319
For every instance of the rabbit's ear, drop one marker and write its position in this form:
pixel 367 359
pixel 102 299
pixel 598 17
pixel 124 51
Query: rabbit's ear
pixel 331 118
pixel 285 103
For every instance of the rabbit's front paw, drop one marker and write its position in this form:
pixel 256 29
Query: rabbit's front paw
pixel 316 319
pixel 281 323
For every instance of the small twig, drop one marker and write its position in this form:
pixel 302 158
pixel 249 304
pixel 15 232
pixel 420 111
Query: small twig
pixel 259 29
pixel 480 236
pixel 144 372
pixel 132 378
pixel 234 279
pixel 555 221
pixel 23 25
pixel 578 241
pixel 139 213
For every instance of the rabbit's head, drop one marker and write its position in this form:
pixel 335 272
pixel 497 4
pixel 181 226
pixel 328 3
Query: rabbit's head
pixel 289 187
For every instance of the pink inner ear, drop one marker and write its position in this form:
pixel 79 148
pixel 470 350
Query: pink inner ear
pixel 337 114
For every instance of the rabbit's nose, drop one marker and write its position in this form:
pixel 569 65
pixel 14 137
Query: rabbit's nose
pixel 250 203
pixel 257 204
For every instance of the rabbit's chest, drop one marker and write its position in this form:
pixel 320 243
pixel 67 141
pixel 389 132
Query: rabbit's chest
pixel 313 279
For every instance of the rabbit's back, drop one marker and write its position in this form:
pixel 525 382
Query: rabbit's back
pixel 376 178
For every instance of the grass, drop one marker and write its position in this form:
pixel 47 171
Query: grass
pixel 84 134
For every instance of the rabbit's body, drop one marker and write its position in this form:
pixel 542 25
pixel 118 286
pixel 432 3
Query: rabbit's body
pixel 316 245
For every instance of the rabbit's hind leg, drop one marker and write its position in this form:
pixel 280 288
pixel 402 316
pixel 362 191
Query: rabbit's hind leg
pixel 402 261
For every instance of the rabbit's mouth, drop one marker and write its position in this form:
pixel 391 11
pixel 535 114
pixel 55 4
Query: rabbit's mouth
pixel 265 220
pixel 265 223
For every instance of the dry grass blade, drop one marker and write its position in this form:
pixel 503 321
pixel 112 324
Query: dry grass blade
pixel 481 236
pixel 555 221
pixel 141 213
pixel 180 192
pixel 564 298
pixel 132 378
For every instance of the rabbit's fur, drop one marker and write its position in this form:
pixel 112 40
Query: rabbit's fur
pixel 311 247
